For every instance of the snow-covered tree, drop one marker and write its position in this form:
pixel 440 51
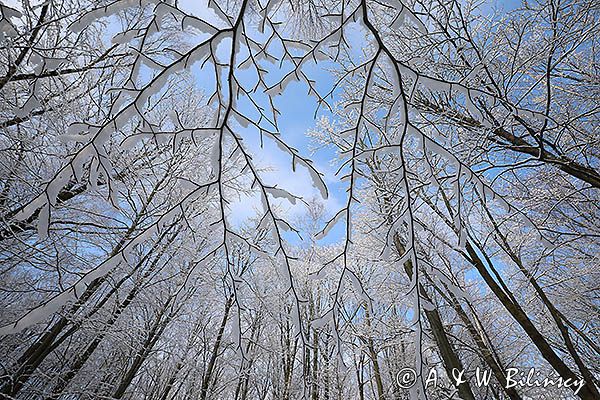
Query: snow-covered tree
pixel 165 234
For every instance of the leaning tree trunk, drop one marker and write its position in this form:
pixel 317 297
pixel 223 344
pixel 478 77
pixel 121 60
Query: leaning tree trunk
pixel 486 352
pixel 374 360
pixel 447 352
pixel 510 303
pixel 206 379
pixel 37 352
pixel 154 334
pixel 85 355
pixel 556 315
pixel 588 391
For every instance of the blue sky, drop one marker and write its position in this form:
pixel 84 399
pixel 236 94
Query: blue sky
pixel 297 117
pixel 297 111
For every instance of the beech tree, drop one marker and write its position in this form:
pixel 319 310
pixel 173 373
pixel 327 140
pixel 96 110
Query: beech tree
pixel 166 234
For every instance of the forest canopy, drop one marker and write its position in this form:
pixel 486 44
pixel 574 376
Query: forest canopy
pixel 290 199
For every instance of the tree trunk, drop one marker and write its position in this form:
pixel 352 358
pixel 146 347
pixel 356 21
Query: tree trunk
pixel 206 379
pixel 374 360
pixel 84 356
pixel 40 349
pixel 153 335
pixel 484 350
pixel 447 352
pixel 556 315
pixel 588 391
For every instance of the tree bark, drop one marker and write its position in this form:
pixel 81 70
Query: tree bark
pixel 447 352
pixel 517 144
pixel 588 391
pixel 84 356
pixel 374 360
pixel 153 335
pixel 206 379
pixel 484 350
